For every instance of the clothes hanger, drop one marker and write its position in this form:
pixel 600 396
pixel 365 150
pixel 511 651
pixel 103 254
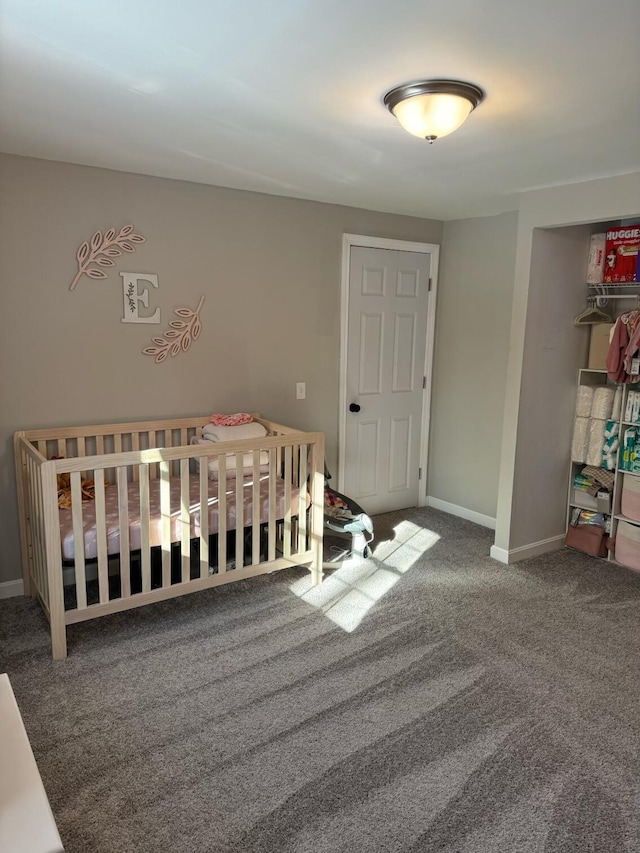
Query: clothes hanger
pixel 591 315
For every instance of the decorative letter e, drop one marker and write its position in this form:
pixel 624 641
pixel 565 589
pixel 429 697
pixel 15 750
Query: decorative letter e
pixel 133 298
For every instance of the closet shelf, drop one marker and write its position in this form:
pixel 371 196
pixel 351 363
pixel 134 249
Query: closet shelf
pixel 621 285
pixel 588 508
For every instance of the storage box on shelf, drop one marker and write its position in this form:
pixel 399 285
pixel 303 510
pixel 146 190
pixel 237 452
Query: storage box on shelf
pixel 599 345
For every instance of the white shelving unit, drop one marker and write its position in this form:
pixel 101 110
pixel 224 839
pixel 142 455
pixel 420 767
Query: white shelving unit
pixel 596 378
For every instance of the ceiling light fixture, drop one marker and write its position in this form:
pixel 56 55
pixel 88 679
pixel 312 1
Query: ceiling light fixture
pixel 433 108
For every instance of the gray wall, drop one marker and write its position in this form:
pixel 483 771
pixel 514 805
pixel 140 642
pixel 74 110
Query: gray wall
pixel 554 350
pixel 269 268
pixel 472 342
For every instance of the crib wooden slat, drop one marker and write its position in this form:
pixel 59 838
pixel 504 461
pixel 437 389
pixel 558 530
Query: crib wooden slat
pixel 316 482
pixel 165 514
pixel 37 532
pixel 255 521
pixel 296 458
pixel 151 443
pixel 222 514
pixel 23 484
pixel 302 504
pixel 135 445
pixel 32 526
pixel 40 510
pixel 99 445
pixel 239 511
pixel 78 541
pixel 272 505
pixel 101 537
pixel 51 527
pixel 37 552
pixel 287 500
pixel 123 523
pixel 165 439
pixel 204 518
pixel 62 448
pixel 185 520
pixel 145 552
pixel 80 451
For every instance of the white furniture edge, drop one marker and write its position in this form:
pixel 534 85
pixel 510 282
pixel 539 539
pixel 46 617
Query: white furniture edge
pixel 27 824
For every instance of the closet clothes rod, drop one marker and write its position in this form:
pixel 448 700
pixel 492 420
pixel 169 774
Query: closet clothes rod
pixel 635 296
pixel 601 299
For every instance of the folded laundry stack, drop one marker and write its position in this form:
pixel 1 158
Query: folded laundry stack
pixel 592 488
pixel 228 428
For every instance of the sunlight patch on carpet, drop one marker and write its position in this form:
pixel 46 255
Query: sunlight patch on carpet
pixel 349 593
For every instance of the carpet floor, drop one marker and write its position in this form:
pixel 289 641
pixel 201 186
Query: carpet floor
pixel 430 700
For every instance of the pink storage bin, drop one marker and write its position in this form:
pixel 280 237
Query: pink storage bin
pixel 630 499
pixel 627 548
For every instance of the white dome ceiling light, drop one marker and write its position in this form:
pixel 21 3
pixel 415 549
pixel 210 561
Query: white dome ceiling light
pixel 433 108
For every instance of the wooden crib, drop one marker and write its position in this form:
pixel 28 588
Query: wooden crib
pixel 158 526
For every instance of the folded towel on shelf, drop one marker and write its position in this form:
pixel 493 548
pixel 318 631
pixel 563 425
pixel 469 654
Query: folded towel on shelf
pixel 231 420
pixel 605 478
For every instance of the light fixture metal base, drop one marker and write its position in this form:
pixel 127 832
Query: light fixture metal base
pixel 472 93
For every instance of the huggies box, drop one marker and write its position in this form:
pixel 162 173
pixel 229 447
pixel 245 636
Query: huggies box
pixel 622 255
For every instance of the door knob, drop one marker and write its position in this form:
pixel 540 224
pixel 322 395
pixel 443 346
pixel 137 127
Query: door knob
pixel 354 407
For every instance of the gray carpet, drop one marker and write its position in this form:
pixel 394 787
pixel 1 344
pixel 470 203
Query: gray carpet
pixel 431 700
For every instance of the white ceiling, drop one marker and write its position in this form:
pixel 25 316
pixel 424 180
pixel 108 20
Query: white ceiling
pixel 285 96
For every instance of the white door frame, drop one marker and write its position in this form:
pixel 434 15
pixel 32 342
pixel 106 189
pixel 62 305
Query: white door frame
pixel 433 249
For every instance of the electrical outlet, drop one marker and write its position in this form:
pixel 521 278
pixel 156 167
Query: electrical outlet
pixel 301 390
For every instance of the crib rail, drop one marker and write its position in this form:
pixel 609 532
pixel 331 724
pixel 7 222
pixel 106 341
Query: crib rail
pixel 267 517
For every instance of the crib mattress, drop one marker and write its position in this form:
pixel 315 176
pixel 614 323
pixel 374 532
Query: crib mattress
pixel 155 524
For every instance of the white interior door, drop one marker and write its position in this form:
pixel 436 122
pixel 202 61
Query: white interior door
pixel 388 304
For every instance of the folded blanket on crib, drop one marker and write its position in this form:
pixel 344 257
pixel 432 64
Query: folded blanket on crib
pixel 213 434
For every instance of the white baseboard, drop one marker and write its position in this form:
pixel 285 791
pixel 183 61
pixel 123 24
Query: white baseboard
pixel 462 512
pixel 10 589
pixel 500 554
pixel 524 552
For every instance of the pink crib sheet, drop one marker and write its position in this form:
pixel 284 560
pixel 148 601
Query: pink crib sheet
pixel 155 525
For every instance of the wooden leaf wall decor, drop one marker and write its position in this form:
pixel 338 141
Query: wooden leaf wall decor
pixel 179 336
pixel 97 254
